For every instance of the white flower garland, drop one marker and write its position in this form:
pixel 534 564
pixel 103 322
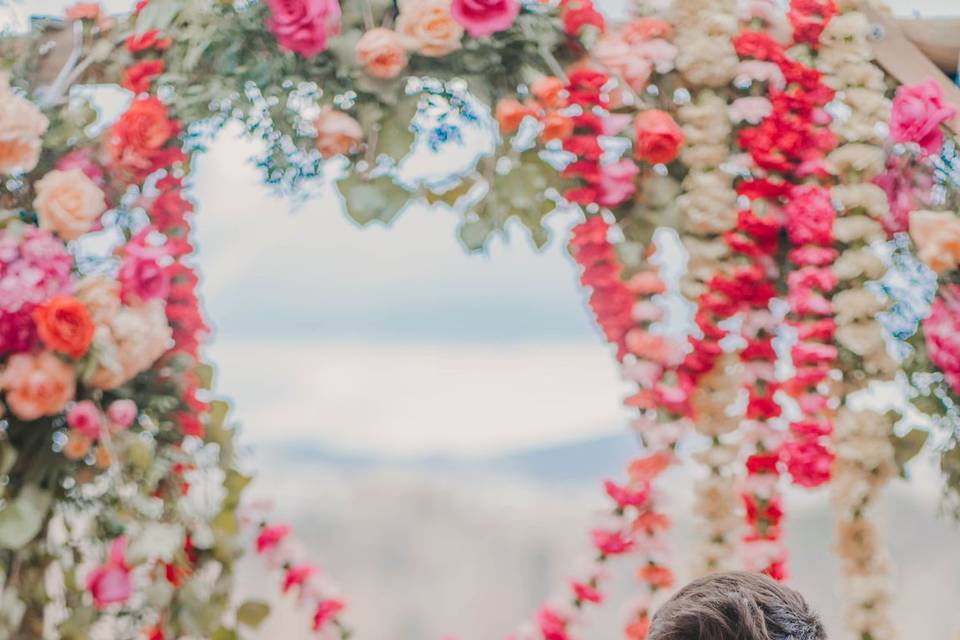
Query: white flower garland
pixel 864 455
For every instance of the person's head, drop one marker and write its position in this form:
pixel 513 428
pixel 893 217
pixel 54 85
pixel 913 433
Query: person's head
pixel 736 606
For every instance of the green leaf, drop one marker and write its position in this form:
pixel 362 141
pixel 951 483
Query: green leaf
pixel 374 199
pixel 474 234
pixel 158 14
pixel 907 447
pixel 205 375
pixel 224 634
pixel 22 519
pixel 253 613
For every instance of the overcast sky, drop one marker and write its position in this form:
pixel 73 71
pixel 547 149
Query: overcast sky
pixel 393 340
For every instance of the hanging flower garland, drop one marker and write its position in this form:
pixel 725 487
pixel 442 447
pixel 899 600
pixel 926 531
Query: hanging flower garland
pixel 865 456
pixel 707 208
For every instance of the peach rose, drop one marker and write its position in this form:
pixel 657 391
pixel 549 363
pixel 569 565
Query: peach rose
pixel 548 91
pixel 22 125
pixel 337 133
pixel 556 127
pixel 381 54
pixel 428 27
pixel 101 296
pixel 510 113
pixel 37 385
pixel 132 341
pixel 937 236
pixel 68 203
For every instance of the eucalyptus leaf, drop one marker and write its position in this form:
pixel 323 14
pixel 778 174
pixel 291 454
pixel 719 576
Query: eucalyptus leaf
pixel 158 14
pixel 23 517
pixel 253 613
pixel 375 199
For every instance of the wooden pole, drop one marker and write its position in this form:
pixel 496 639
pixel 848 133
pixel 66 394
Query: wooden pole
pixel 906 62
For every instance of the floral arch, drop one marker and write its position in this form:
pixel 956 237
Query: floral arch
pixel 815 200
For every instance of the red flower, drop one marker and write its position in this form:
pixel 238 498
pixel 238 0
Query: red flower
pixel 189 424
pixel 809 463
pixel 64 325
pixel 759 45
pixel 586 592
pixel 138 77
pixel 810 215
pixel 657 576
pixel 626 496
pixel 766 462
pixel 148 40
pixel 270 537
pixel 611 543
pixel 658 137
pixel 297 576
pixel 809 18
pixel 138 142
pixel 553 626
pixel 578 14
pixel 326 612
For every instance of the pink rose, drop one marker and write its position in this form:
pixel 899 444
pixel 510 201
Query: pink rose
pixel 381 54
pixel 110 583
pixel 942 334
pixel 617 183
pixel 37 385
pixel 84 418
pixel 84 160
pixel 143 279
pixel 303 26
pixel 483 18
pixel 918 112
pixel 122 413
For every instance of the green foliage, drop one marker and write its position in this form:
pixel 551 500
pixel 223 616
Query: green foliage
pixel 22 518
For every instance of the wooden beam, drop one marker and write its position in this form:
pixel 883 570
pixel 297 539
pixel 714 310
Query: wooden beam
pixel 905 61
pixel 938 38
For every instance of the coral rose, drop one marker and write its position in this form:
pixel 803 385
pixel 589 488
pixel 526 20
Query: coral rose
pixel 68 203
pixel 304 26
pixel 22 125
pixel 37 384
pixel 918 112
pixel 138 77
pixel 556 127
pixel 427 27
pixel 65 325
pixel 381 54
pixel 337 133
pixel 548 91
pixel 483 18
pixel 138 140
pixel 937 236
pixel 509 113
pixel 658 137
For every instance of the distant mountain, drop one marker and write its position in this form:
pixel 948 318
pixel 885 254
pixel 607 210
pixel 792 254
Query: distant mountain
pixel 574 462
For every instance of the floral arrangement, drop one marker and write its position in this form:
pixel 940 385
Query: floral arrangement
pixel 768 141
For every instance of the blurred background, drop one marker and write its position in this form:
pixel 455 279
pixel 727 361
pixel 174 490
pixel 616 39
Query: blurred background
pixel 436 425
